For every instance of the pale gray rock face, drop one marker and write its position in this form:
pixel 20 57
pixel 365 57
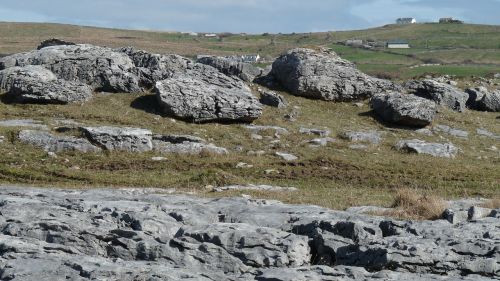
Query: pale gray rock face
pixel 286 156
pixel 134 234
pixel 55 143
pixel 120 138
pixel 441 93
pixel 36 84
pixel 314 131
pixel 151 68
pixel 245 71
pixel 100 67
pixel 185 145
pixel 254 188
pixel 450 131
pixel 404 109
pixel 216 98
pixel 486 133
pixel 24 123
pixel 324 75
pixel 273 99
pixel 256 129
pixel 445 150
pixel 373 137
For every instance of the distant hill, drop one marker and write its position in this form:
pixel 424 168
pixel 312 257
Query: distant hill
pixel 461 49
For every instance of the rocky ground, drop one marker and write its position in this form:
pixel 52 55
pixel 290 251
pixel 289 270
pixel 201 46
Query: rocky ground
pixel 145 234
pixel 204 109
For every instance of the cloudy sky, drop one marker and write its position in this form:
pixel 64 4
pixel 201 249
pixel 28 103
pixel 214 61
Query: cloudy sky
pixel 253 16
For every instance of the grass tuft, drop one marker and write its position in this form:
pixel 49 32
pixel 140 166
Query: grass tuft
pixel 410 204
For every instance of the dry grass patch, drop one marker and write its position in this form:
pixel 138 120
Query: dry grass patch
pixel 492 204
pixel 410 204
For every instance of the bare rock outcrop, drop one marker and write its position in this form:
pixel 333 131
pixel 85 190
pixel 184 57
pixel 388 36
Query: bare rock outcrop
pixel 404 109
pixel 324 75
pixel 441 93
pixel 134 234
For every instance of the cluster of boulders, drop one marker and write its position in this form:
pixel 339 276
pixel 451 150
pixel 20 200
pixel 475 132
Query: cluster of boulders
pixel 215 89
pixel 135 234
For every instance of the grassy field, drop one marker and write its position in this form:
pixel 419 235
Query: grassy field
pixel 462 49
pixel 334 176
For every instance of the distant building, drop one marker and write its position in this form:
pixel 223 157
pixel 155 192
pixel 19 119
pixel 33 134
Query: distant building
pixel 406 21
pixel 398 44
pixel 449 20
pixel 211 35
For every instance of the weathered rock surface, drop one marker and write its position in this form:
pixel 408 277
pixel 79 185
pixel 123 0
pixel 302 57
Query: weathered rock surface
pixel 286 156
pixel 36 84
pixel 185 145
pixel 475 95
pixel 441 93
pixel 53 42
pixel 37 124
pixel 371 136
pixel 55 143
pixel 120 138
pixel 254 187
pixel 272 99
pixel 446 150
pixel 486 133
pixel 133 234
pixel 324 75
pixel 314 131
pixel 245 71
pixel 102 68
pixel 211 99
pixel 403 109
pixel 256 129
pixel 450 131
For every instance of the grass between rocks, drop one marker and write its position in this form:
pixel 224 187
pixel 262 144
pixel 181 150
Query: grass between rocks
pixel 334 176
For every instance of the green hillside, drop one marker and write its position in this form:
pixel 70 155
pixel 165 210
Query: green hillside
pixel 459 49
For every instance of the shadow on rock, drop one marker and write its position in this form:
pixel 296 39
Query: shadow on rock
pixel 148 104
pixel 386 124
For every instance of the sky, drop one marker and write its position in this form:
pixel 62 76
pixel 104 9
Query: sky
pixel 250 16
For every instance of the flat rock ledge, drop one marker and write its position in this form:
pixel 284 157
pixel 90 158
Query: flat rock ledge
pixel 120 234
pixel 444 150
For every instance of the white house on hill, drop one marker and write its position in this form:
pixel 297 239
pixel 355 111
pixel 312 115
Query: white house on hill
pixel 406 21
pixel 398 44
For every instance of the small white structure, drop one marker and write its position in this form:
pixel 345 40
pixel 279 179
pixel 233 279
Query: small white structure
pixel 406 21
pixel 211 35
pixel 398 44
pixel 450 20
pixel 354 42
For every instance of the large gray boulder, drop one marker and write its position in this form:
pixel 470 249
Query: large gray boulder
pixel 445 150
pixel 120 138
pixel 55 143
pixel 36 84
pixel 245 71
pixel 53 42
pixel 102 68
pixel 207 98
pixel 441 93
pixel 324 75
pixel 404 109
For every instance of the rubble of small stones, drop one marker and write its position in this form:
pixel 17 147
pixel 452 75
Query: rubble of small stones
pixel 324 75
pixel 404 109
pixel 441 93
pixel 120 234
pixel 445 150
